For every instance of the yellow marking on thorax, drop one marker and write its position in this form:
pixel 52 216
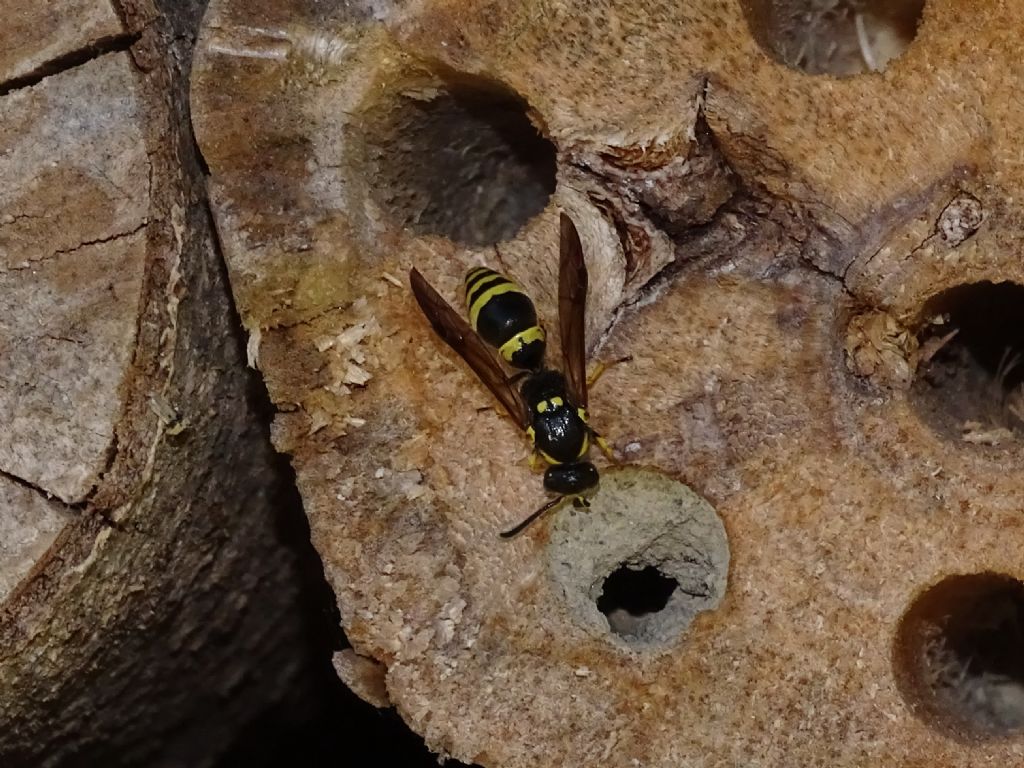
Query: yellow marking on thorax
pixel 584 446
pixel 490 293
pixel 554 402
pixel 547 458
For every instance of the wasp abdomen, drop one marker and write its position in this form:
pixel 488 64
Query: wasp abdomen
pixel 505 318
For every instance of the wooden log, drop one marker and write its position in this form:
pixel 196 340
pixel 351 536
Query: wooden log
pixel 783 254
pixel 148 608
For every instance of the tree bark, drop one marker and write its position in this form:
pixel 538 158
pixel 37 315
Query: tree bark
pixel 148 608
pixel 775 250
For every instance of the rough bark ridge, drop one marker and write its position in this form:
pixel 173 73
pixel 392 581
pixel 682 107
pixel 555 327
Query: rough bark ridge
pixel 775 250
pixel 147 607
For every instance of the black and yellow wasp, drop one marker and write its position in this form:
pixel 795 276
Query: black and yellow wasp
pixel 549 405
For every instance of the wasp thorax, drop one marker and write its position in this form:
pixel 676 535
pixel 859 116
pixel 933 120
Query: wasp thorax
pixel 544 386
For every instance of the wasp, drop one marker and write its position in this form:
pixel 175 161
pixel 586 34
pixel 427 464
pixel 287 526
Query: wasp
pixel 548 404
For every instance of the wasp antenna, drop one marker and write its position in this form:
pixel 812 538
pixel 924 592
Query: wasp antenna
pixel 513 532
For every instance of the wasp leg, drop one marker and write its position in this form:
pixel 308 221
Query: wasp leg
pixel 515 378
pixel 602 366
pixel 603 445
pixel 537 462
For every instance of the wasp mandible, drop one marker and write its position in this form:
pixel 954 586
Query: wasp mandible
pixel 549 405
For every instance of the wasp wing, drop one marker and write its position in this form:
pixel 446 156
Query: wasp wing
pixel 456 332
pixel 572 304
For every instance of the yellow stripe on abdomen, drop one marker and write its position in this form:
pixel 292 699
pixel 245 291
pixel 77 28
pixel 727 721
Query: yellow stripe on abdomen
pixel 520 340
pixel 490 293
pixel 478 277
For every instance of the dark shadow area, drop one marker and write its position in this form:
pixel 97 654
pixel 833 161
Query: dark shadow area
pixel 637 592
pixel 972 383
pixel 321 722
pixel 959 655
pixel 834 37
pixel 463 161
pixel 327 725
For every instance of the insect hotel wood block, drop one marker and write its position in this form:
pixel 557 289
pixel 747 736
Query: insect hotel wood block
pixel 818 425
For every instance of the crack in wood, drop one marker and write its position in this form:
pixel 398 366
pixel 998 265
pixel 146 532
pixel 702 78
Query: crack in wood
pixel 69 507
pixel 33 263
pixel 70 60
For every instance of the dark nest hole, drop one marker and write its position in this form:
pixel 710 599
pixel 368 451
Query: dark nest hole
pixel 629 595
pixel 969 384
pixel 460 159
pixel 959 655
pixel 835 37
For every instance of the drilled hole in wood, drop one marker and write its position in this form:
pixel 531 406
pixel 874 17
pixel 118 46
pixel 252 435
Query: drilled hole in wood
pixel 460 158
pixel 629 594
pixel 959 655
pixel 642 561
pixel 835 37
pixel 970 386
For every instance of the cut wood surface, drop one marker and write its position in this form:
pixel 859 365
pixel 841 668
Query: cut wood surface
pixel 76 201
pixel 46 37
pixel 775 249
pixel 148 609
